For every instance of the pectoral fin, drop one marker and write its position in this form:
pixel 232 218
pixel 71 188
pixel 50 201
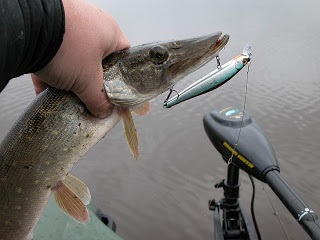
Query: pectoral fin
pixel 143 109
pixel 72 196
pixel 78 187
pixel 130 132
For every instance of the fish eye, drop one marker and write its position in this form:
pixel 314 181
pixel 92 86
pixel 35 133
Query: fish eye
pixel 158 54
pixel 245 61
pixel 176 44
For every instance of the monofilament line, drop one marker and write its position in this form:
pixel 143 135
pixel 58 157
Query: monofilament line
pixel 275 213
pixel 243 109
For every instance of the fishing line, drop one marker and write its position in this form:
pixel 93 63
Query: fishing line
pixel 243 109
pixel 241 126
pixel 237 142
pixel 275 212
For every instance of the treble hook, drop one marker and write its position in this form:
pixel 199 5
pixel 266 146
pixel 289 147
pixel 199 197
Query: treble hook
pixel 170 92
pixel 218 62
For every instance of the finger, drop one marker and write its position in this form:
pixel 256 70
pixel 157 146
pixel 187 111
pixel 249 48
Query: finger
pixel 38 84
pixel 94 96
pixel 113 39
pixel 123 42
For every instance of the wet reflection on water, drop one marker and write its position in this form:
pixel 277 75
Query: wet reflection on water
pixel 164 195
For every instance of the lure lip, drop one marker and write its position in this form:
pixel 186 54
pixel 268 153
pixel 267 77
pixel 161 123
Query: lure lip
pixel 247 50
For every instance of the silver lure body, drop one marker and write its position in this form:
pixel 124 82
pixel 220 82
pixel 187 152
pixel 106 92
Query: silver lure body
pixel 212 80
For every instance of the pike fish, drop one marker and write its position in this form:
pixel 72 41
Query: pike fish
pixel 56 130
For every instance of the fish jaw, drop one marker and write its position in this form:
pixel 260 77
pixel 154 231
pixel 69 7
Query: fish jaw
pixel 139 74
pixel 192 55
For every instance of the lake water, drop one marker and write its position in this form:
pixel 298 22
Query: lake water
pixel 164 194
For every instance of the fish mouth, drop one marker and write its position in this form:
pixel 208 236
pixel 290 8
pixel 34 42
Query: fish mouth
pixel 221 43
pixel 189 55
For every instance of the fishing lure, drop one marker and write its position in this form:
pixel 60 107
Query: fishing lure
pixel 212 80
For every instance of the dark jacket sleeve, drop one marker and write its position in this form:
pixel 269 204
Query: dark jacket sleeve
pixel 31 33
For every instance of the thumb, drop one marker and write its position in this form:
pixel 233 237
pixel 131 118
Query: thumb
pixel 92 93
pixel 123 42
pixel 38 84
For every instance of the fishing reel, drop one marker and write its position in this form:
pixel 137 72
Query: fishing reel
pixel 241 141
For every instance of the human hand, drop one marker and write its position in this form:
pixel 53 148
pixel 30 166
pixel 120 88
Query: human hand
pixel 90 35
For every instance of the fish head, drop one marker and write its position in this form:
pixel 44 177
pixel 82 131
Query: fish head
pixel 188 55
pixel 140 73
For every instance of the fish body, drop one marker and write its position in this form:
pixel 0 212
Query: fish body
pixel 52 135
pixel 56 130
pixel 212 80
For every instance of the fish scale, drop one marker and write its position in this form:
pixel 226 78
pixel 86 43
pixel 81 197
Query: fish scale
pixel 53 120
